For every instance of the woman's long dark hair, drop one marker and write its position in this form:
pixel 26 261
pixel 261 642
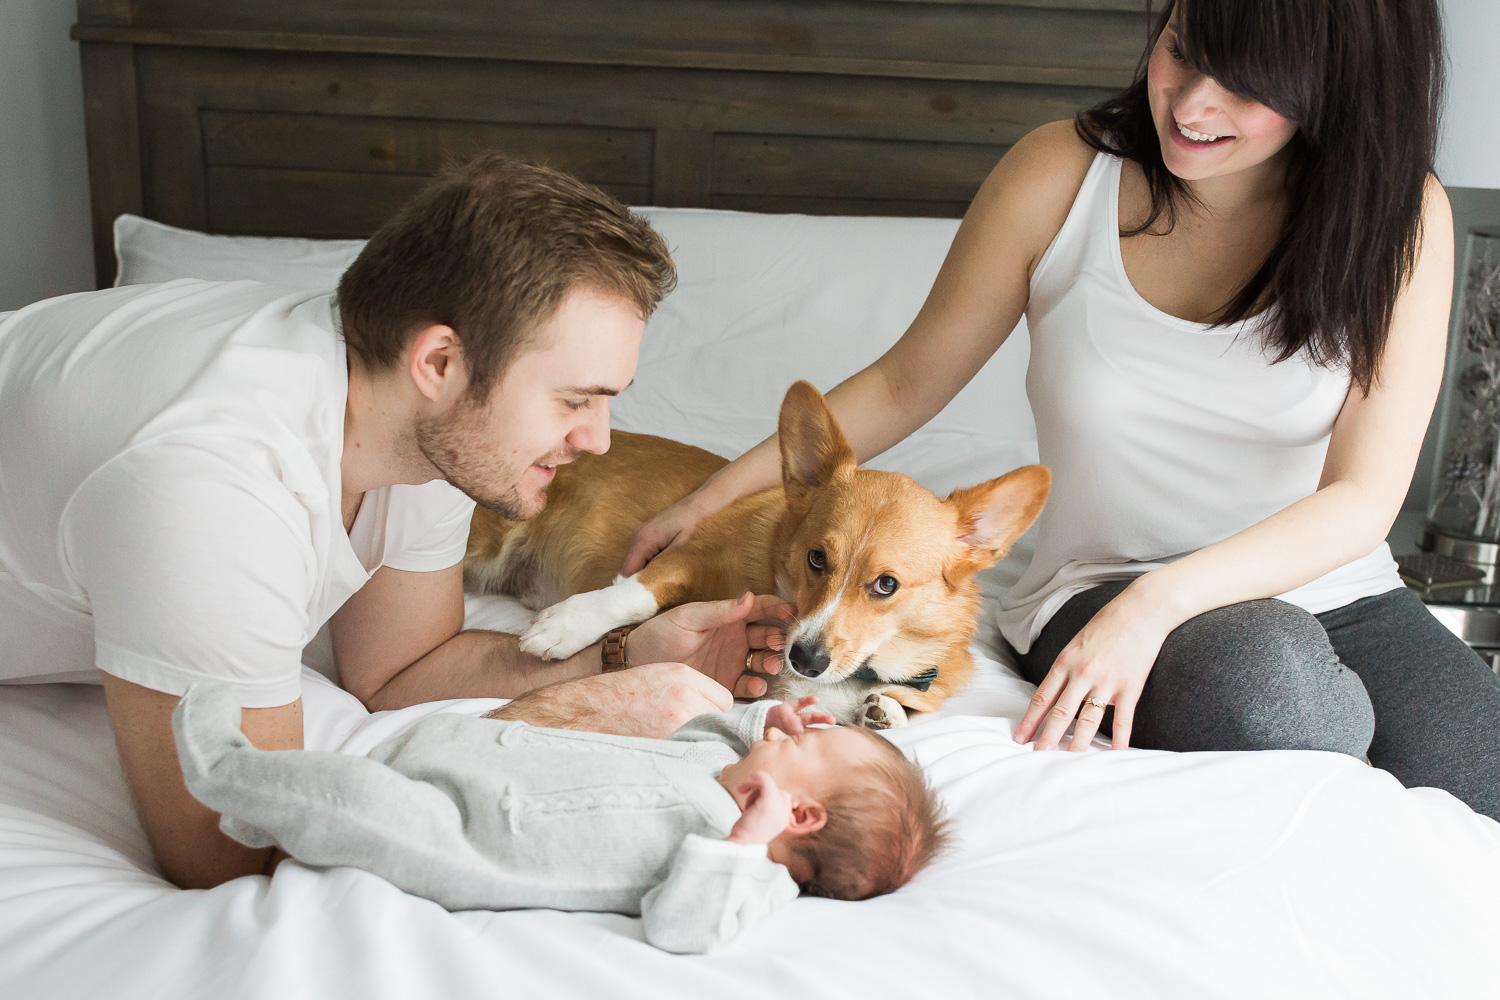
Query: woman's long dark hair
pixel 1363 79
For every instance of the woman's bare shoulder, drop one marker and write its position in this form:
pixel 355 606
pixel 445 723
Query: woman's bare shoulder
pixel 1055 146
pixel 1033 187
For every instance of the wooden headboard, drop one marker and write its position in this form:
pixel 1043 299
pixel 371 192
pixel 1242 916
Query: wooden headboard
pixel 289 117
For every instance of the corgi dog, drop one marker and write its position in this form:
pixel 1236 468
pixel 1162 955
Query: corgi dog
pixel 880 570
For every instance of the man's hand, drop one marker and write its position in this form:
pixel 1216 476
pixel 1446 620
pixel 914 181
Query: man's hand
pixel 768 810
pixel 654 701
pixel 794 718
pixel 715 638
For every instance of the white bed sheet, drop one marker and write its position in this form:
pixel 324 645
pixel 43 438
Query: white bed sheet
pixel 1133 874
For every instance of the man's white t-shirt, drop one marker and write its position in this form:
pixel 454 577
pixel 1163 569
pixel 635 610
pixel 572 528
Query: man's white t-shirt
pixel 170 489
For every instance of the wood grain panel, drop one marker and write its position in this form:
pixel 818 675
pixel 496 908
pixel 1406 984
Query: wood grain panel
pixel 284 117
pixel 112 130
pixel 684 167
pixel 175 183
pixel 785 203
pixel 619 97
pixel 814 166
pixel 418 146
pixel 320 203
pixel 1080 42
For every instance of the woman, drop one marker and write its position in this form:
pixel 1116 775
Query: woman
pixel 1236 276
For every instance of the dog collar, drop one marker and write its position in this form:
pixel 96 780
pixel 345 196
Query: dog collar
pixel 921 681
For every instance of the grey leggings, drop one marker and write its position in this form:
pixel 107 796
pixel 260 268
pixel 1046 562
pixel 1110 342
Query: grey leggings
pixel 1380 677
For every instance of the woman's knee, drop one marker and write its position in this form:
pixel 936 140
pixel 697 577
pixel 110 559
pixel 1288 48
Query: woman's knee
pixel 1255 676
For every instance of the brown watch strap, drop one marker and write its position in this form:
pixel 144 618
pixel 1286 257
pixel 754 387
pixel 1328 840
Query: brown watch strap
pixel 612 656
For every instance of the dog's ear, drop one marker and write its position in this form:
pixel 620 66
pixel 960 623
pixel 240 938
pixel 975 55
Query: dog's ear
pixel 813 449
pixel 992 515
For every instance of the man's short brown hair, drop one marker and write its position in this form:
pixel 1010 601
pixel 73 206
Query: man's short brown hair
pixel 883 827
pixel 491 248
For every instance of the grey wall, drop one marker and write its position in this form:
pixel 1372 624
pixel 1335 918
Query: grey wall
pixel 45 244
pixel 1470 156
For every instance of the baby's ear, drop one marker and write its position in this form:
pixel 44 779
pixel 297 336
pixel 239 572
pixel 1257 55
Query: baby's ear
pixel 808 817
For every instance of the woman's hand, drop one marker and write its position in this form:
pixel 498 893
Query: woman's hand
pixel 768 810
pixel 718 638
pixel 1108 660
pixel 794 718
pixel 667 530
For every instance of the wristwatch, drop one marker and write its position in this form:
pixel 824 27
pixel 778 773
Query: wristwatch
pixel 612 656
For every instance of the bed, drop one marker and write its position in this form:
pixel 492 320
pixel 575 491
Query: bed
pixel 1130 874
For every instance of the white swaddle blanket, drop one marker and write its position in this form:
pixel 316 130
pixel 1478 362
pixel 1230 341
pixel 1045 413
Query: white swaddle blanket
pixel 478 813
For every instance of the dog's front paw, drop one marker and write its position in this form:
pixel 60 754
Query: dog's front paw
pixel 568 626
pixel 879 712
pixel 555 634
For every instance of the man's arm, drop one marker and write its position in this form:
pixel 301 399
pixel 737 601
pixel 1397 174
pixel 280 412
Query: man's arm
pixel 183 832
pixel 398 642
pixel 651 701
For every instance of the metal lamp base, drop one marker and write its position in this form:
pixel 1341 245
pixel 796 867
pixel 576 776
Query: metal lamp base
pixel 1483 556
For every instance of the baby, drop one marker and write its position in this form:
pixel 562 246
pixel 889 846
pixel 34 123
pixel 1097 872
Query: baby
pixel 702 834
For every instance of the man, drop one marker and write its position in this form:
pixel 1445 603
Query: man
pixel 196 476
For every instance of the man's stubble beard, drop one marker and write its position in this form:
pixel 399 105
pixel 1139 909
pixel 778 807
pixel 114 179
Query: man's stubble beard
pixel 456 448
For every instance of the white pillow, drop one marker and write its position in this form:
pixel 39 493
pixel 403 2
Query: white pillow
pixel 764 300
pixel 148 251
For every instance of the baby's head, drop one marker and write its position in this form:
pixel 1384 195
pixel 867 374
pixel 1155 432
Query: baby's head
pixel 864 820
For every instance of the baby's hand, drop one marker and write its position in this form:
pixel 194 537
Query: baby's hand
pixel 768 810
pixel 794 718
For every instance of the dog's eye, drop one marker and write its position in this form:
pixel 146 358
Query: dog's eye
pixel 885 586
pixel 817 560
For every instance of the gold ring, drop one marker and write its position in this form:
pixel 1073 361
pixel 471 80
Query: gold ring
pixel 750 661
pixel 1096 702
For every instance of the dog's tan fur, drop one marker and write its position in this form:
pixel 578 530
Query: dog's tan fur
pixel 869 524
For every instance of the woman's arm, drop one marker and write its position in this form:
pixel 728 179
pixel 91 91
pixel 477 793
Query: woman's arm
pixel 975 302
pixel 1371 455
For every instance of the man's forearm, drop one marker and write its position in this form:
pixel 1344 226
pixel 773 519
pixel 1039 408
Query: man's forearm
pixel 184 833
pixel 565 706
pixel 651 701
pixel 479 664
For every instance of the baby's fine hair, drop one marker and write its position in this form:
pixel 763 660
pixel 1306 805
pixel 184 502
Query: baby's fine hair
pixel 883 827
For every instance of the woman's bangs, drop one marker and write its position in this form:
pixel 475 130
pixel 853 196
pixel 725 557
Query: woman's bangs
pixel 1256 50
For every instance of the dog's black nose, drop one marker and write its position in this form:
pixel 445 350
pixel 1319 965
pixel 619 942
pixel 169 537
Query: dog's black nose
pixel 809 659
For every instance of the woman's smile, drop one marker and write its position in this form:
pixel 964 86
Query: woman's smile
pixel 1198 140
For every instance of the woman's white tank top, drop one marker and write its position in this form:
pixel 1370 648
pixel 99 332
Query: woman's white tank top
pixel 1163 435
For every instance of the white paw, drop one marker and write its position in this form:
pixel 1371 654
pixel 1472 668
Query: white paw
pixel 879 712
pixel 571 625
